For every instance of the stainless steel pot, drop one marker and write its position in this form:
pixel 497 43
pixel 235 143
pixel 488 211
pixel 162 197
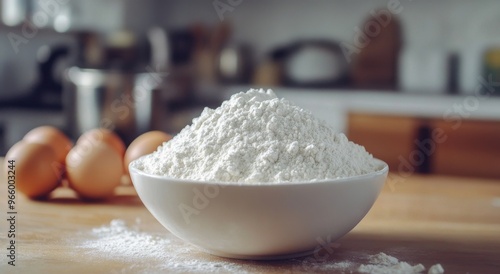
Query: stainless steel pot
pixel 127 103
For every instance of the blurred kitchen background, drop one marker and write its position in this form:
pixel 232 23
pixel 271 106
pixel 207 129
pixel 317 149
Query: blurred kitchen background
pixel 391 74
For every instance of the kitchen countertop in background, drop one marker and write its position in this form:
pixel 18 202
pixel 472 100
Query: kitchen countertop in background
pixel 422 219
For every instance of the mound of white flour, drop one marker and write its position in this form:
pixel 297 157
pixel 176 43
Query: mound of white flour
pixel 256 137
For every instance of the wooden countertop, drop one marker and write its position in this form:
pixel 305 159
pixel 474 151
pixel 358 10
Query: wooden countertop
pixel 423 219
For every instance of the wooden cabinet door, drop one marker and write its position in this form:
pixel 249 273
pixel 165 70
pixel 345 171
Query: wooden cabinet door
pixel 386 137
pixel 471 148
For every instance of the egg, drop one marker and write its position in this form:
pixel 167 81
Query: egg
pixel 52 137
pixel 94 171
pixel 145 144
pixel 107 136
pixel 36 166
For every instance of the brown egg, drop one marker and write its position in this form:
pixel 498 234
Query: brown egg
pixel 37 169
pixel 107 136
pixel 94 171
pixel 145 144
pixel 53 137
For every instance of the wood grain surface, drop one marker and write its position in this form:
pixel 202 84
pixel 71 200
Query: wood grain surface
pixel 421 219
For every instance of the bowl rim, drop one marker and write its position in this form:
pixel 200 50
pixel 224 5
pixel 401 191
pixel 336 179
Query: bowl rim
pixel 381 171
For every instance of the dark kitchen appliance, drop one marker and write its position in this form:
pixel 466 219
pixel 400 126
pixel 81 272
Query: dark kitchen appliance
pixel 47 91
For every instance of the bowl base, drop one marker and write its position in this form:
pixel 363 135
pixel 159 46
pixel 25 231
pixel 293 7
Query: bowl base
pixel 258 257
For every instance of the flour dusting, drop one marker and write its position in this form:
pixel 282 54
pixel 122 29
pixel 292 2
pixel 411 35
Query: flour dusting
pixel 382 263
pixel 146 253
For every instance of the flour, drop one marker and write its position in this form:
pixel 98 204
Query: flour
pixel 148 253
pixel 436 269
pixel 256 137
pixel 382 263
pixel 385 264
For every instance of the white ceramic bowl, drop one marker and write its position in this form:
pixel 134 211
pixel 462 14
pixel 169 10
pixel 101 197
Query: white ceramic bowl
pixel 263 221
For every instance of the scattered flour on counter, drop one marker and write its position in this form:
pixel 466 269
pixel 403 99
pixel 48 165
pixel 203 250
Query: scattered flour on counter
pixel 119 240
pixel 343 266
pixel 146 253
pixel 382 263
pixel 436 269
pixel 256 137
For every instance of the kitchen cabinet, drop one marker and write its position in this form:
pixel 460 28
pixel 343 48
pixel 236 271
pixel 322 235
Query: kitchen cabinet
pixel 471 148
pixel 463 147
pixel 387 137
